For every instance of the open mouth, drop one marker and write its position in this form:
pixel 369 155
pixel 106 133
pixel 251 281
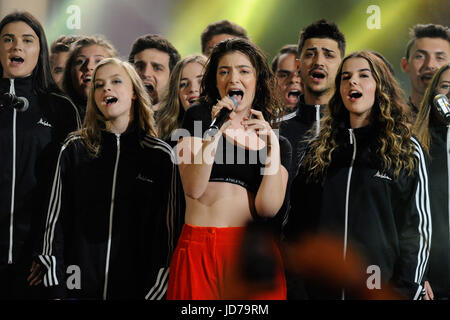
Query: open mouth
pixel 237 94
pixel 87 79
pixel 293 95
pixel 150 88
pixel 110 100
pixel 317 74
pixel 426 77
pixel 355 95
pixel 17 60
pixel 192 100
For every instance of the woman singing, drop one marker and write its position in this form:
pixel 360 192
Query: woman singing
pixel 183 91
pixel 112 209
pixel 432 128
pixel 29 131
pixel 363 181
pixel 85 53
pixel 231 178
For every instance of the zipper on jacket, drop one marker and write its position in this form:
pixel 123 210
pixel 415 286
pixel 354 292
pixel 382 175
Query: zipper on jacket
pixel 12 90
pixel 347 196
pixel 111 213
pixel 317 119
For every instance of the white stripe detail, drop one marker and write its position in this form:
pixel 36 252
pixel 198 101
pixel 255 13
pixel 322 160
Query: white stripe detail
pixel 111 216
pixel 160 285
pixel 423 208
pixel 13 179
pixel 54 208
pixel 347 197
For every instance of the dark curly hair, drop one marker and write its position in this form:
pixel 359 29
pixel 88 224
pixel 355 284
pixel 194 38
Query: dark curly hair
pixel 266 99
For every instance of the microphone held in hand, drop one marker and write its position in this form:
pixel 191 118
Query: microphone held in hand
pixel 21 104
pixel 220 119
pixel 442 105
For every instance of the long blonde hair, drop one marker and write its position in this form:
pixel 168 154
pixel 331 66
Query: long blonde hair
pixel 394 149
pixel 172 111
pixel 95 122
pixel 421 127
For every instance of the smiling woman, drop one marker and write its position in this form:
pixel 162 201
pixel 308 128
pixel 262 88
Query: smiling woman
pixel 28 137
pixel 118 211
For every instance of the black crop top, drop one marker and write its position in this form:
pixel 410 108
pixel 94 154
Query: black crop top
pixel 232 163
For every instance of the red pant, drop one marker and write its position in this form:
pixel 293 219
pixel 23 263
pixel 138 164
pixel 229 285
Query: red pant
pixel 205 266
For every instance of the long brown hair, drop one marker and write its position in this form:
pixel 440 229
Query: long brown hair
pixel 395 150
pixel 172 111
pixel 95 122
pixel 421 127
pixel 82 42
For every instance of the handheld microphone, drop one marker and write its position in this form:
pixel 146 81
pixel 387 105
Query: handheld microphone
pixel 442 105
pixel 220 118
pixel 21 104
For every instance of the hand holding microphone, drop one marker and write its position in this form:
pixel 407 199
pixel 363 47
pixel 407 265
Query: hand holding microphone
pixel 225 107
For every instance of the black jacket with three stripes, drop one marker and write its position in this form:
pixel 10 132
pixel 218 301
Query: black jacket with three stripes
pixel 28 141
pixel 383 220
pixel 112 220
pixel 439 170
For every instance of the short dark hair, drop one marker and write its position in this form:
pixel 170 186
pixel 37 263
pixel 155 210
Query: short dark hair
pixel 42 80
pixel 221 27
pixel 289 48
pixel 62 44
pixel 322 29
pixel 154 41
pixel 426 31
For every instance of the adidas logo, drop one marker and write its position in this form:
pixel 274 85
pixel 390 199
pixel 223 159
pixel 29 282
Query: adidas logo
pixel 143 178
pixel 382 176
pixel 44 123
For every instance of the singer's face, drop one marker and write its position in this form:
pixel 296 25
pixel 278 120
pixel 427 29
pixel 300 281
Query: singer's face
pixel 288 79
pixel 114 94
pixel 191 78
pixel 236 76
pixel 319 63
pixel 19 50
pixel 444 83
pixel 357 90
pixel 83 67
pixel 426 56
pixel 152 65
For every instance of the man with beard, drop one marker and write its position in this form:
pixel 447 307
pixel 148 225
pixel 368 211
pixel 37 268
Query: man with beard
pixel 321 48
pixel 154 57
pixel 428 49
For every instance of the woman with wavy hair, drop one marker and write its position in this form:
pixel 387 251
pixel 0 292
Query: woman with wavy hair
pixel 432 128
pixel 363 180
pixel 112 209
pixel 84 55
pixel 183 91
pixel 232 177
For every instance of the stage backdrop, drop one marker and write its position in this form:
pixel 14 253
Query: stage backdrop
pixel 377 25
